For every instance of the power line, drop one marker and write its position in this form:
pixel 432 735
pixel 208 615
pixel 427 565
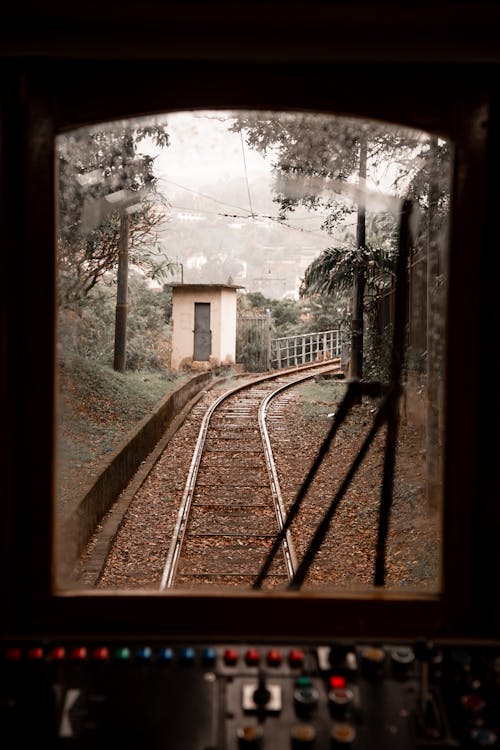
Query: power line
pixel 246 173
pixel 208 197
pixel 248 214
pixel 226 215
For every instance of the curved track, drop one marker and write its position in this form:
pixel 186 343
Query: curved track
pixel 232 507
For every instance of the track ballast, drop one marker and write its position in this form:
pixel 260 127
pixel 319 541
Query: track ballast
pixel 231 508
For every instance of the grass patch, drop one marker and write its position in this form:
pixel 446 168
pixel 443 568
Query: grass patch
pixel 100 392
pixel 97 407
pixel 320 397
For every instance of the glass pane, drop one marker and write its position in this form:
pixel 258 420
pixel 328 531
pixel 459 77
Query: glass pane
pixel 199 252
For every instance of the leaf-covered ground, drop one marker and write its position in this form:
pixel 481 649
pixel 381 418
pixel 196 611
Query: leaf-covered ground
pixel 346 558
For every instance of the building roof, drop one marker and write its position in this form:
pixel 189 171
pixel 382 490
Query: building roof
pixel 177 285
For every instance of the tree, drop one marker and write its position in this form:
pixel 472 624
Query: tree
pixel 89 333
pixel 101 172
pixel 316 159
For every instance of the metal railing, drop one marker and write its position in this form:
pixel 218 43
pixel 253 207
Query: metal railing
pixel 306 347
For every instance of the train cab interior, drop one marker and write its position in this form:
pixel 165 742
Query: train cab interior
pixel 202 671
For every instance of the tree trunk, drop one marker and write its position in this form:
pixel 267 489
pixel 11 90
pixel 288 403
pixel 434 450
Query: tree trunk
pixel 121 297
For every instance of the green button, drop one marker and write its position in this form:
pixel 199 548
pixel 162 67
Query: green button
pixel 303 682
pixel 123 653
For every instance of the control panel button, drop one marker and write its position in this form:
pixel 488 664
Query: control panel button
pixel 252 657
pixel 342 734
pixel 305 700
pixel 372 660
pixel 337 681
pixel 296 657
pixel 35 653
pixel 123 654
pixel 187 656
pixel 230 657
pixel 340 701
pixel 100 653
pixel 78 653
pixel 250 737
pixel 57 653
pixel 472 703
pixel 302 735
pixel 208 657
pixel 274 657
pixel 144 653
pixel 166 655
pixel 13 654
pixel 402 659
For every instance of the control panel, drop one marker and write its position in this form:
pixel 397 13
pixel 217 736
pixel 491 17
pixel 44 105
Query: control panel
pixel 177 696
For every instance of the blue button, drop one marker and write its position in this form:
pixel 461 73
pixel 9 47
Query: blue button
pixel 187 655
pixel 144 653
pixel 209 656
pixel 166 654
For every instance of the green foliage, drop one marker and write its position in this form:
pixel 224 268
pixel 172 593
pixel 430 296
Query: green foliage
pixel 334 270
pixel 102 172
pixel 293 317
pixel 89 331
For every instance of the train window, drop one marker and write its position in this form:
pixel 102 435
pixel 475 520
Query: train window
pixel 250 386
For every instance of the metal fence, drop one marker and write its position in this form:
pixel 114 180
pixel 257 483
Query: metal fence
pixel 307 347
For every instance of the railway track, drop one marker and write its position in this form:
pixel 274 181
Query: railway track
pixel 232 509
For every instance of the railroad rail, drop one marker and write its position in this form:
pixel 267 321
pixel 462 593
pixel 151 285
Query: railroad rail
pixel 232 508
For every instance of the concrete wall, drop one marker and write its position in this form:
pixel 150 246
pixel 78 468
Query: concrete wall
pixel 222 324
pixel 228 327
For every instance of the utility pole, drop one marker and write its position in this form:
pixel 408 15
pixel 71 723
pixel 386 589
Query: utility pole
pixel 120 359
pixel 359 281
pixel 268 338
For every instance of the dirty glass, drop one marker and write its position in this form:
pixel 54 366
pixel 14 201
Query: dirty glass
pixel 198 251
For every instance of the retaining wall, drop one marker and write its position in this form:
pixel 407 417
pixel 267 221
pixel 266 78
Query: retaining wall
pixel 83 515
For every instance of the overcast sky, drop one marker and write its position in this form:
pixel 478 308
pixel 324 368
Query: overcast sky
pixel 220 195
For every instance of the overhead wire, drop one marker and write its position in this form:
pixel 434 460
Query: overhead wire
pixel 248 214
pixel 226 215
pixel 246 173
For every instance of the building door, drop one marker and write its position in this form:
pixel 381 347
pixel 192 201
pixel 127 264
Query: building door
pixel 202 332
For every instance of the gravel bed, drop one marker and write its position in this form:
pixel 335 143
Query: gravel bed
pixel 346 559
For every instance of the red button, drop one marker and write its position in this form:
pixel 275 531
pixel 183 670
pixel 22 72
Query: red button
pixel 252 657
pixel 337 681
pixel 35 653
pixel 100 654
pixel 230 657
pixel 296 657
pixel 472 702
pixel 57 653
pixel 13 654
pixel 79 653
pixel 274 657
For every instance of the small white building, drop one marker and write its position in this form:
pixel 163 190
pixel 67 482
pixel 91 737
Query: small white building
pixel 204 325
